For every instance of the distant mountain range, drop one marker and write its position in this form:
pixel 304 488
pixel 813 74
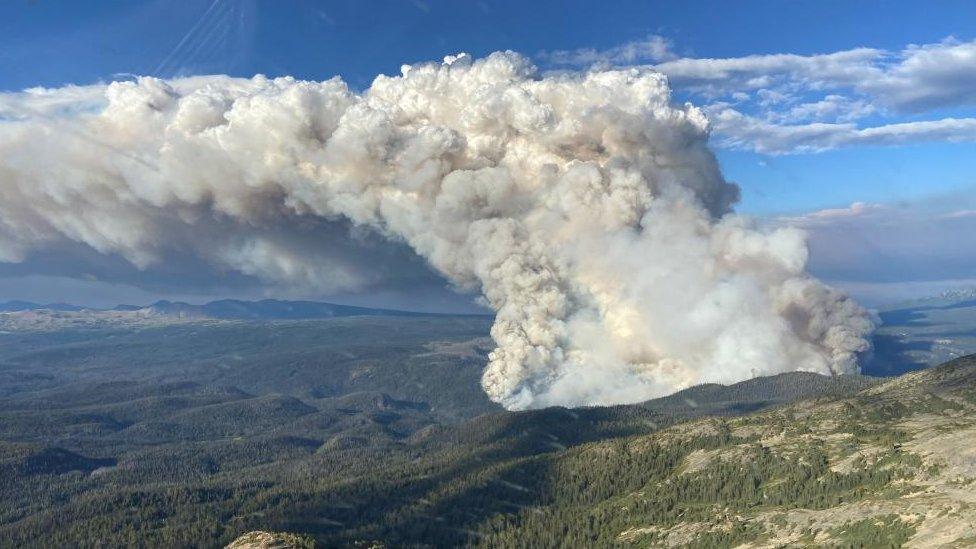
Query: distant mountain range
pixel 227 309
pixel 18 306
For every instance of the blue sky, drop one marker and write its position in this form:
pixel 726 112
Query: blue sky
pixel 52 43
pixel 797 85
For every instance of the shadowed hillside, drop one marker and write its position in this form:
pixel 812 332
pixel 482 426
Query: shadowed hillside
pixel 889 466
pixel 206 430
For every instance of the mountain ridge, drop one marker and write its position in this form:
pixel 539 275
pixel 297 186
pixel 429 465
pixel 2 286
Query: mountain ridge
pixel 231 309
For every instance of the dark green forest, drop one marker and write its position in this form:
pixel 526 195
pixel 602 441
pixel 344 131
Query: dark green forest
pixel 191 435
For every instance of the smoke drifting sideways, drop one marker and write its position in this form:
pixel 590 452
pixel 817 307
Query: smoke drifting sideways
pixel 586 209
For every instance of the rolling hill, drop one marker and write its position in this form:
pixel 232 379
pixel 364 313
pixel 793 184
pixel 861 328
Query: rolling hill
pixel 191 434
pixel 372 430
pixel 890 465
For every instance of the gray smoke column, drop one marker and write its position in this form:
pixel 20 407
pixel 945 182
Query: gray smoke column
pixel 586 209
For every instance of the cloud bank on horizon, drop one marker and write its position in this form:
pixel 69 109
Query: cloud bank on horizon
pixel 586 209
pixel 788 103
pixel 926 247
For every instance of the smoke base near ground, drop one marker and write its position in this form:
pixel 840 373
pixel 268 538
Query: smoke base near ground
pixel 586 209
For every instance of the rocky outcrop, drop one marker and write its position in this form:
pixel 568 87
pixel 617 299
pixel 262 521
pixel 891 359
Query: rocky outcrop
pixel 271 540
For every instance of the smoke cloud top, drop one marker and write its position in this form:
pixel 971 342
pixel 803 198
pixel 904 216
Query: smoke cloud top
pixel 586 209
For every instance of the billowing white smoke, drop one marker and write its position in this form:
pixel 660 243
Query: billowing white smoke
pixel 585 208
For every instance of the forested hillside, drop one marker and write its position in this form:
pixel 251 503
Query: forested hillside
pixel 347 429
pixel 892 465
pixel 195 433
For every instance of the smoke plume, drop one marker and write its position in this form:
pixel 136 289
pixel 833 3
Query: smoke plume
pixel 586 209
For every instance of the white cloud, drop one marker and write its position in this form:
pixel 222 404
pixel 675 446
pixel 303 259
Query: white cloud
pixel 723 76
pixel 736 130
pixel 829 215
pixel 47 102
pixel 913 79
pixel 767 98
pixel 651 49
pixel 925 77
pixel 787 103
pixel 832 107
pixel 959 214
pixel 885 294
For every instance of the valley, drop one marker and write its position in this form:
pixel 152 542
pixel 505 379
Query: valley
pixel 373 431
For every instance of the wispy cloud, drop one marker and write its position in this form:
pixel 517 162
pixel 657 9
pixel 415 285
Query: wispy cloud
pixel 832 107
pixel 926 77
pixel 787 103
pixel 917 78
pixel 646 50
pixel 736 130
pixel 830 215
pixel 756 72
